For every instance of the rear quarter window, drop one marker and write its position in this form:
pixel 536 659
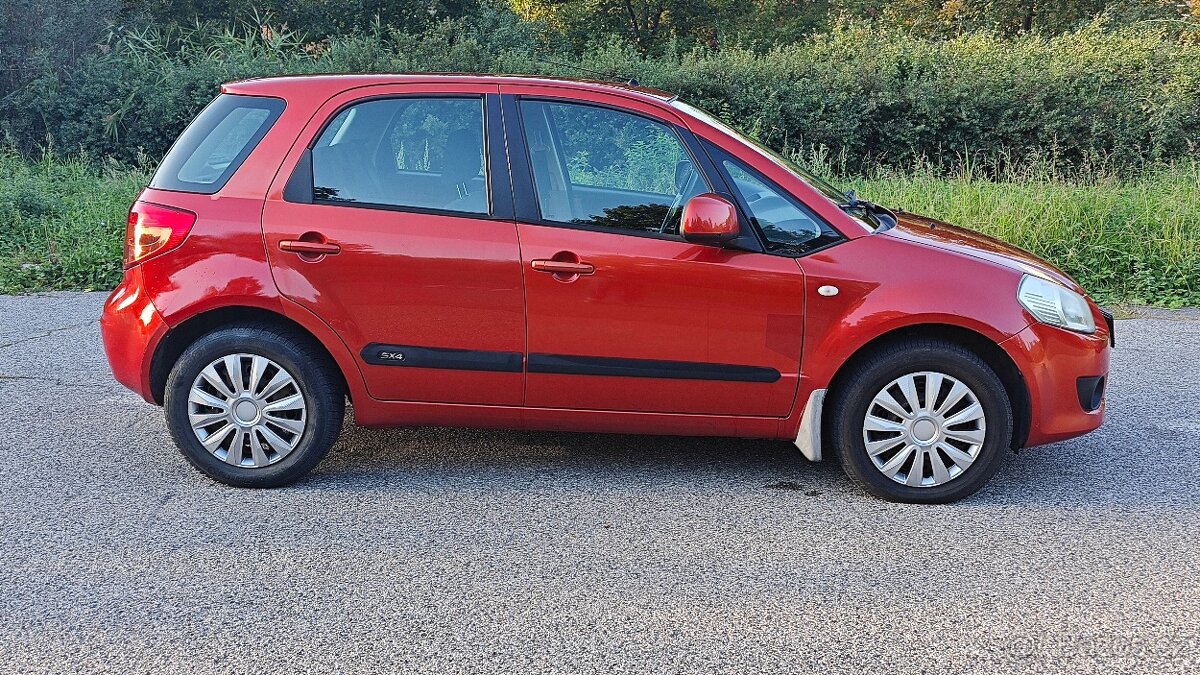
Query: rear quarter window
pixel 216 143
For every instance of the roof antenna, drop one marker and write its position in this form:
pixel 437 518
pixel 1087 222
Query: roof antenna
pixel 631 81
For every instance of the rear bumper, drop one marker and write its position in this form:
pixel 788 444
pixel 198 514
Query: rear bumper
pixel 131 328
pixel 1062 371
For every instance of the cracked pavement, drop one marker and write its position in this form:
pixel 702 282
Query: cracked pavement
pixel 449 550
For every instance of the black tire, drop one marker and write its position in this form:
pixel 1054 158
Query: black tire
pixel 315 376
pixel 850 401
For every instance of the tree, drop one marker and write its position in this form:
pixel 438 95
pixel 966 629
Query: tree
pixel 1010 17
pixel 646 24
pixel 314 18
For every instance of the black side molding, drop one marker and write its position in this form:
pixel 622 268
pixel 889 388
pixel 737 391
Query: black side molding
pixel 380 354
pixel 677 370
pixel 438 357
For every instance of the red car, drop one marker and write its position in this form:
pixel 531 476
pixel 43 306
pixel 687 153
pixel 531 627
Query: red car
pixel 548 254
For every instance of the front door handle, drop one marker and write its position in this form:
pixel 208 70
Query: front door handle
pixel 309 248
pixel 563 267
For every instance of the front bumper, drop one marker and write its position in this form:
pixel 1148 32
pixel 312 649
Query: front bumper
pixel 131 328
pixel 1062 371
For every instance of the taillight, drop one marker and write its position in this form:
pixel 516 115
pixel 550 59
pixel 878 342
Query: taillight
pixel 154 229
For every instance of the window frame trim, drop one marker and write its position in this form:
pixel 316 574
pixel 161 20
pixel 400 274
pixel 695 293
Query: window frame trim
pixel 299 187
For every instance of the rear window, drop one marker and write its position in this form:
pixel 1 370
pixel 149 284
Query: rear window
pixel 216 143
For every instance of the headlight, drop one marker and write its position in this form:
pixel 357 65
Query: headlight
pixel 1050 303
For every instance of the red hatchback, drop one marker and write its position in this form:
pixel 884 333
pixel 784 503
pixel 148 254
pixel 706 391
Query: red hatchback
pixel 561 255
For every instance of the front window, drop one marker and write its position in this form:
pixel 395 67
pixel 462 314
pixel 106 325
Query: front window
pixel 607 169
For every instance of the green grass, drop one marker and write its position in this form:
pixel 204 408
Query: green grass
pixel 62 222
pixel 1134 240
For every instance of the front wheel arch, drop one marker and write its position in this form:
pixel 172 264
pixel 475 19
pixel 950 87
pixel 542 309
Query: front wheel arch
pixel 996 358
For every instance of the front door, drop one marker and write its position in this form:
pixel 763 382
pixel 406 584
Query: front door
pixel 623 314
pixel 396 230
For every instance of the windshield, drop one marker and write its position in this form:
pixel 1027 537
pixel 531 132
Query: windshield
pixel 820 185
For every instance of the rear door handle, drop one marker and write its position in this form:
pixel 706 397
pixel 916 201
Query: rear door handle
pixel 563 267
pixel 309 247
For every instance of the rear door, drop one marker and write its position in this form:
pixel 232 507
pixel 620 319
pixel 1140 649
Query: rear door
pixel 395 227
pixel 623 314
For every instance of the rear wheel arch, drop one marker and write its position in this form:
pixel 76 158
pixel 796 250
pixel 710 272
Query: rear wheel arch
pixel 980 345
pixel 178 339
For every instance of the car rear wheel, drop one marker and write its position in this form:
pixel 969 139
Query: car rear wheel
pixel 922 421
pixel 254 406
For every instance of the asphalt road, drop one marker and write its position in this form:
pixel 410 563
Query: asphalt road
pixel 443 550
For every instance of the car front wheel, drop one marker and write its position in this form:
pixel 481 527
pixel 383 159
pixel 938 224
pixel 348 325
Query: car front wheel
pixel 922 421
pixel 254 406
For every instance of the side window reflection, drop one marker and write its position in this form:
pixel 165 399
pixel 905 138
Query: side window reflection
pixel 415 152
pixel 606 168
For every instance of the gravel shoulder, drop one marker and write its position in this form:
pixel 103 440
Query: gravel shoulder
pixel 449 550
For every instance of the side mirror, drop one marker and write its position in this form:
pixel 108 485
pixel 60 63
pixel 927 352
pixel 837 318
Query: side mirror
pixel 709 219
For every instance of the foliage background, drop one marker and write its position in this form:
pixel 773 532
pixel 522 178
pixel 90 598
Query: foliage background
pixel 1070 127
pixel 1098 98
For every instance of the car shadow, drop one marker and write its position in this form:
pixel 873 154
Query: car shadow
pixel 369 459
pixel 1077 473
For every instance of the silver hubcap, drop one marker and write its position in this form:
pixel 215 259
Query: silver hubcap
pixel 924 429
pixel 247 410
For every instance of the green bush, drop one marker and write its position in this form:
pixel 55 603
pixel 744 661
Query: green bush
pixel 1089 99
pixel 1111 100
pixel 1080 147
